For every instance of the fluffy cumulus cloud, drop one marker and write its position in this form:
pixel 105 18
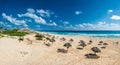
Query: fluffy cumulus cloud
pixel 79 25
pixel 39 16
pixel 30 10
pixel 2 23
pixel 5 24
pixel 70 27
pixel 97 26
pixel 66 22
pixel 78 12
pixel 115 17
pixel 110 11
pixel 36 18
pixel 52 24
pixel 31 13
pixel 50 21
pixel 14 20
pixel 44 13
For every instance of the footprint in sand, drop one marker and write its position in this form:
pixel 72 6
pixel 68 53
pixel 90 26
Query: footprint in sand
pixel 24 53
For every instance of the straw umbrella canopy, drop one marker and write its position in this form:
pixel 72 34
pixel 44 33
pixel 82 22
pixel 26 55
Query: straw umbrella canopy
pixel 105 43
pixel 67 45
pixel 82 43
pixel 63 39
pixel 96 49
pixel 71 40
pixel 117 42
pixel 100 41
pixel 90 41
pixel 52 40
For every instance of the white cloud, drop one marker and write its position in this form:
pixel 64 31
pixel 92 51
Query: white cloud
pixel 50 21
pixel 52 24
pixel 14 20
pixel 28 20
pixel 36 18
pixel 6 25
pixel 115 17
pixel 97 26
pixel 2 23
pixel 66 22
pixel 38 27
pixel 80 25
pixel 32 14
pixel 30 10
pixel 78 12
pixel 9 26
pixel 44 13
pixel 70 27
pixel 39 19
pixel 110 11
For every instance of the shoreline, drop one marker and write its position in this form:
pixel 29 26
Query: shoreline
pixel 105 37
pixel 84 35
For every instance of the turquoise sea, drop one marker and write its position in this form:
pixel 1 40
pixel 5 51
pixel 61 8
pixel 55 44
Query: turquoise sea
pixel 100 34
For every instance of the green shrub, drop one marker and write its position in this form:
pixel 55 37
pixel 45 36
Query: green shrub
pixel 14 33
pixel 1 35
pixel 48 38
pixel 39 36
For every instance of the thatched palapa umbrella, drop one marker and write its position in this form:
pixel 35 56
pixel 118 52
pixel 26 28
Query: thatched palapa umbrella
pixel 71 40
pixel 63 39
pixel 100 41
pixel 67 45
pixel 82 43
pixel 117 43
pixel 90 41
pixel 105 43
pixel 95 49
pixel 52 40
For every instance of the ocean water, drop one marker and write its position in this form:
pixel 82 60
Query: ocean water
pixel 99 34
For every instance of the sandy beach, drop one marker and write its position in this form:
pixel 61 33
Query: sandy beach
pixel 59 32
pixel 13 52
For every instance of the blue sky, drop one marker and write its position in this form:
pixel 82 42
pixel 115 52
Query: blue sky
pixel 60 14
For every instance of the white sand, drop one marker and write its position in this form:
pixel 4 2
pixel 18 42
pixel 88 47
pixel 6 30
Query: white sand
pixel 13 52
